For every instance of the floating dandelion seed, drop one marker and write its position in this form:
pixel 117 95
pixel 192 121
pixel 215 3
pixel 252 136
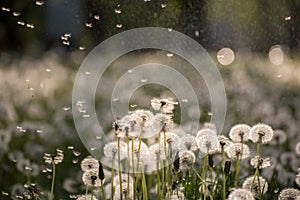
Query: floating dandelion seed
pixel 188 142
pixel 252 186
pixel 279 137
pixel 81 48
pixel 22 23
pixel 89 163
pixel 118 11
pixel 186 159
pixel 288 18
pixel 240 132
pixel 259 162
pixel 97 17
pixel 88 25
pixel 163 5
pixel 119 25
pixel 234 151
pixel 90 178
pixel 240 194
pixel 39 3
pixel 111 150
pixel 5 9
pixel 164 105
pixel 16 14
pixel 289 193
pixel 261 133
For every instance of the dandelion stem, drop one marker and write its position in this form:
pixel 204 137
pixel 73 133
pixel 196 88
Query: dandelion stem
pixel 120 174
pixel 224 174
pixel 102 190
pixel 112 176
pixel 53 180
pixel 92 192
pixel 86 191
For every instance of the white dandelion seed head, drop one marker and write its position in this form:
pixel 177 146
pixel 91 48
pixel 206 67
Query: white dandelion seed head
pixel 162 122
pixel 171 139
pixel 224 142
pixel 261 133
pixel 137 148
pixel 259 162
pixel 252 186
pixel 238 151
pixel 157 151
pixel 91 178
pixel 240 132
pixel 204 132
pixel 164 105
pixel 111 149
pixel 279 137
pixel 289 193
pixel 142 118
pixel 89 163
pixel 186 159
pixel 125 179
pixel 188 142
pixel 240 194
pixel 127 191
pixel 208 144
pixel 209 185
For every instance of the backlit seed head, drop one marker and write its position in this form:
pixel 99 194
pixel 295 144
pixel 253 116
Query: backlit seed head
pixel 259 162
pixel 186 159
pixel 89 163
pixel 188 142
pixel 85 197
pixel 111 150
pixel 240 132
pixel 164 105
pixel 240 194
pixel 261 133
pixel 238 151
pixel 289 193
pixel 90 178
pixel 127 192
pixel 252 186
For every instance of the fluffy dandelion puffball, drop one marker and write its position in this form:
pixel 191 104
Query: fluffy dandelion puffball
pixel 251 184
pixel 163 105
pixel 208 144
pixel 259 162
pixel 261 133
pixel 89 163
pixel 188 142
pixel 289 193
pixel 111 150
pixel 239 133
pixel 91 178
pixel 186 159
pixel 238 151
pixel 126 191
pixel 240 194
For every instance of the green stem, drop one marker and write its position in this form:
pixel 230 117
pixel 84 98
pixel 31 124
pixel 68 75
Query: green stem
pixel 112 176
pixel 86 191
pixel 223 172
pixel 103 191
pixel 53 180
pixel 120 174
pixel 158 178
pixel 92 192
